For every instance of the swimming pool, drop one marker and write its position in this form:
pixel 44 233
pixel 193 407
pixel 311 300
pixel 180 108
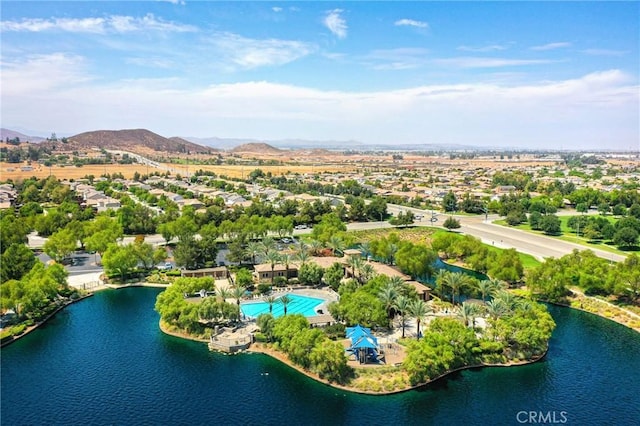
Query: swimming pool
pixel 304 305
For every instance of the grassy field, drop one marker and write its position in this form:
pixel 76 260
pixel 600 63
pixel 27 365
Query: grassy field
pixel 424 235
pixel 569 234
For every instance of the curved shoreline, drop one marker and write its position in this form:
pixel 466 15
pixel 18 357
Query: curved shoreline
pixel 261 348
pixel 71 302
pixel 284 359
pixel 44 321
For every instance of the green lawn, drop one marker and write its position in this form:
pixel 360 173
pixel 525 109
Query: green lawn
pixel 569 235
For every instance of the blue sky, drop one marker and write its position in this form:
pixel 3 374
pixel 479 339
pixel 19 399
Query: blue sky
pixel 503 74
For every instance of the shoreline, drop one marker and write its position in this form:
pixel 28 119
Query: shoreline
pixel 262 348
pixel 90 293
pixel 44 321
pixel 578 297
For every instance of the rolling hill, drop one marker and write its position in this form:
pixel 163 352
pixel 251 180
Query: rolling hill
pixel 133 140
pixel 257 148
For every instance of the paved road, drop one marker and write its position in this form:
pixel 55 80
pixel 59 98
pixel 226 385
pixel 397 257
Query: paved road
pixel 539 246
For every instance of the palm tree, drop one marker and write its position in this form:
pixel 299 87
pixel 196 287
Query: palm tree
pixel 273 257
pixel 418 310
pixel 507 298
pixel 496 308
pixel 366 273
pixel 222 293
pixel 396 281
pixel 315 246
pixel 285 300
pixel 355 263
pixel 485 287
pixel 285 259
pixel 388 295
pixel 237 292
pixel 467 313
pixel 253 250
pixel 403 305
pixel 302 256
pixel 335 244
pixel 365 248
pixel 456 281
pixel 270 300
pixel 268 244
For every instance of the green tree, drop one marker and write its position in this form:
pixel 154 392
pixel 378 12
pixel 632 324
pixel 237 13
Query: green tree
pixel 456 281
pixel 416 260
pixel 284 300
pixel 450 202
pixel 550 224
pixel 535 220
pixel 329 362
pixel 626 237
pixel 310 274
pixel 333 275
pixel 403 306
pixel 15 262
pixel 60 245
pixel 451 223
pixel 330 225
pixel 119 260
pixel 418 311
pixel 582 207
pixel 403 219
pixel 357 210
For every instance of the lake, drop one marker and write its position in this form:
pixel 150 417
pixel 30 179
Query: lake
pixel 105 361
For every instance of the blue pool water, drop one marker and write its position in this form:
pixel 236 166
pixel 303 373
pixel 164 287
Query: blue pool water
pixel 299 305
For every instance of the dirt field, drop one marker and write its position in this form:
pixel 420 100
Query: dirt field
pixel 13 171
pixel 243 171
pixel 68 172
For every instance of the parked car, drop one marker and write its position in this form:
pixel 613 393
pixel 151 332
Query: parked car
pixel 166 267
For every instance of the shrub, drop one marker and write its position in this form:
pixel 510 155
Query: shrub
pixel 17 330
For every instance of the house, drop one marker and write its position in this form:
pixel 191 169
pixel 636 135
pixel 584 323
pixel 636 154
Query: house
pixel 218 273
pixel 263 272
pixel 424 292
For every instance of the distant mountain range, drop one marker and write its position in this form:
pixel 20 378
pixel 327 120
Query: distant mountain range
pixel 230 143
pixel 12 134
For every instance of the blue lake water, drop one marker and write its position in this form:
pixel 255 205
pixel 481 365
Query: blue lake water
pixel 104 361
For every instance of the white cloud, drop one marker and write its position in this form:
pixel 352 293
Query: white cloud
pixel 276 9
pixel 110 24
pixel 552 46
pixel 488 48
pixel 336 23
pixel 481 62
pixel 396 59
pixel 250 53
pixel 410 23
pixel 598 109
pixel 604 52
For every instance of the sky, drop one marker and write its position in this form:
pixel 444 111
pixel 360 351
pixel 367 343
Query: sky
pixel 511 74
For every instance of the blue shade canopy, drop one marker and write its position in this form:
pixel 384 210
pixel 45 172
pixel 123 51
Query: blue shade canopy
pixel 354 333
